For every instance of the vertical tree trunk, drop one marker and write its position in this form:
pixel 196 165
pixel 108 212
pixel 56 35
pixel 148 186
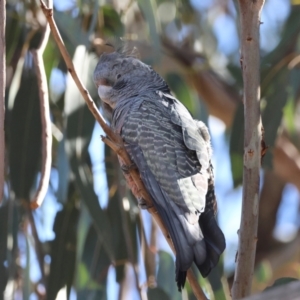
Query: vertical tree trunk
pixel 2 93
pixel 250 22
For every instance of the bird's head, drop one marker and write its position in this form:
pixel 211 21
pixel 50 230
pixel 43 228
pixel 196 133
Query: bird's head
pixel 119 76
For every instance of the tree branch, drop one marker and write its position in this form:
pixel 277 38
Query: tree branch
pixel 290 291
pixel 45 119
pixel 250 22
pixel 37 243
pixel 114 141
pixel 2 94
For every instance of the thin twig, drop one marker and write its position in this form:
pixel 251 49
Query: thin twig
pixel 114 141
pixel 37 244
pixel 45 119
pixel 250 22
pixel 84 92
pixel 2 93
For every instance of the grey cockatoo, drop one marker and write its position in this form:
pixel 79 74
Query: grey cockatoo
pixel 173 154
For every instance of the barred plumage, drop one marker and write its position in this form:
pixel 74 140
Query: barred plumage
pixel 173 154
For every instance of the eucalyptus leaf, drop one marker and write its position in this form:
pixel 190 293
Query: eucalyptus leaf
pixel 157 293
pixel 124 221
pixel 14 33
pixel 63 249
pixel 113 25
pixel 181 90
pixel 71 30
pixel 281 281
pixel 148 8
pixel 92 294
pixel 9 227
pixel 263 272
pixel 288 39
pixel 79 128
pixel 63 168
pixel 95 257
pixel 276 94
pixel 51 57
pixel 25 134
pixel 166 276
pixel 214 278
pixel 289 111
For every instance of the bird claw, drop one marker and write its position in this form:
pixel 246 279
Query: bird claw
pixel 142 203
pixel 126 169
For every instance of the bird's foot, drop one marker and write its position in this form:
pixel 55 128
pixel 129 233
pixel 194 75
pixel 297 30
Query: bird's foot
pixel 142 203
pixel 126 169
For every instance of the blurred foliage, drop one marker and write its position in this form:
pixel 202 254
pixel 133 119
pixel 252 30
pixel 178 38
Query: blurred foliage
pixel 91 239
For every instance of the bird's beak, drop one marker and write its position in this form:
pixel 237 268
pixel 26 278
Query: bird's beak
pixel 104 89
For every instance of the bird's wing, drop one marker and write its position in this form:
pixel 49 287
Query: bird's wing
pixel 171 154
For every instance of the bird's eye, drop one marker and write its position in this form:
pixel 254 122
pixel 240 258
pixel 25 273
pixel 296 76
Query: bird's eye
pixel 118 76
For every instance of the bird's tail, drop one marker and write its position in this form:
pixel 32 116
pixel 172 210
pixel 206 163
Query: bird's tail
pixel 213 236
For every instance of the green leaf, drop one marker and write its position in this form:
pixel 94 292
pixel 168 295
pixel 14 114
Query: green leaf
pixel 223 291
pixel 281 281
pixel 9 225
pixel 148 9
pixel 85 281
pixel 124 221
pixel 181 90
pixel 14 34
pixel 113 25
pixel 166 276
pixel 237 146
pixel 288 40
pixel 149 257
pixel 157 294
pixel 289 111
pixel 289 115
pixel 95 257
pixel 276 97
pixel 84 224
pixel 94 294
pixel 79 128
pixel 92 263
pixel 263 272
pixel 63 248
pixel 214 278
pixel 63 168
pixel 25 135
pixel 203 282
pixel 51 57
pixel 71 30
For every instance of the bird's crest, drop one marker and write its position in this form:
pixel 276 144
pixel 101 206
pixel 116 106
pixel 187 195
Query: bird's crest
pixel 123 47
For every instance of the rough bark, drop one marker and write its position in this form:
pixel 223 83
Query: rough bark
pixel 250 62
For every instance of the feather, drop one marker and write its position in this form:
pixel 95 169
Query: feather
pixel 173 154
pixel 164 144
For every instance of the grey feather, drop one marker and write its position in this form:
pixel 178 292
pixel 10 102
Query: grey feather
pixel 173 154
